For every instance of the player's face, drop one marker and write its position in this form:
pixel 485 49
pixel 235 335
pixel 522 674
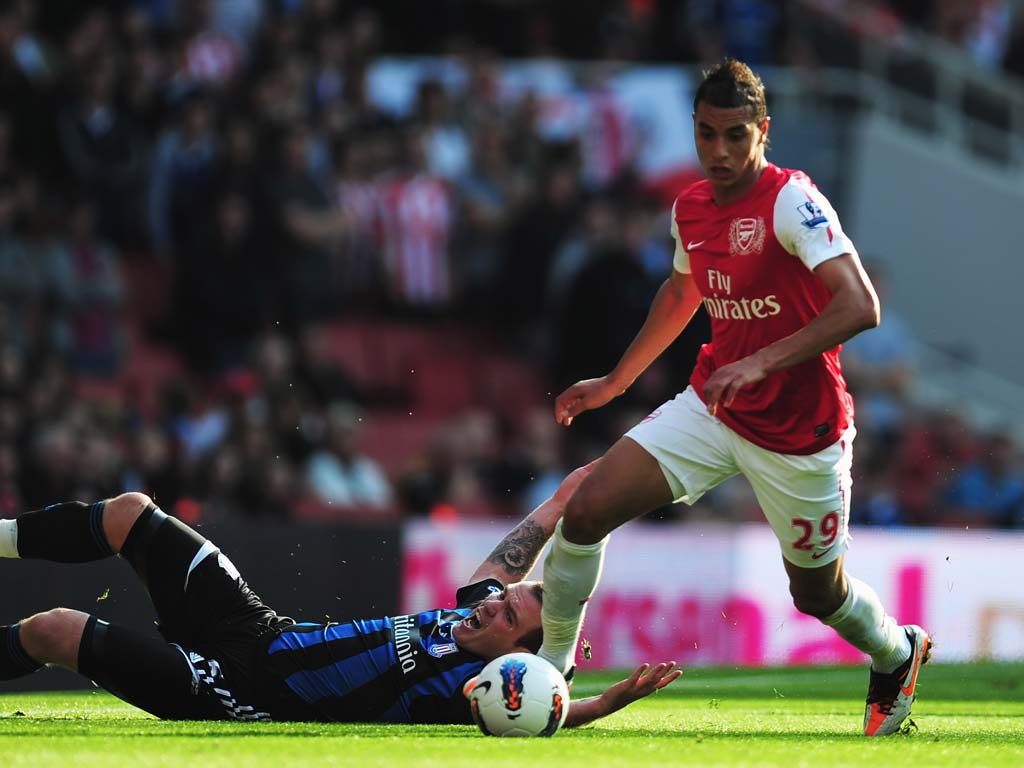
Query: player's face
pixel 495 627
pixel 730 147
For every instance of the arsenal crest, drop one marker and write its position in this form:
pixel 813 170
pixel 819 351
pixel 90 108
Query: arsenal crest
pixel 746 236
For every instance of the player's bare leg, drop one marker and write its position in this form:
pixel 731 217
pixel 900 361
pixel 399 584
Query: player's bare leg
pixel 54 637
pixel 852 608
pixel 625 483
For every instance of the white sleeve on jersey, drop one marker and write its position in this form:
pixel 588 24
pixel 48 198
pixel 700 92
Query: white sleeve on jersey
pixel 807 226
pixel 681 260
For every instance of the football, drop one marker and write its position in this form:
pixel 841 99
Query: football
pixel 519 694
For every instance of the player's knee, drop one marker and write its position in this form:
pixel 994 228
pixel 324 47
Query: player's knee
pixel 585 520
pixel 815 602
pixel 53 637
pixel 120 514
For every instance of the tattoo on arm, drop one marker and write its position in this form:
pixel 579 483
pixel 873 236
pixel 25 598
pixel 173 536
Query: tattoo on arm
pixel 519 550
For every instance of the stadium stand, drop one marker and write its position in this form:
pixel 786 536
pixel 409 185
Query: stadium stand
pixel 178 121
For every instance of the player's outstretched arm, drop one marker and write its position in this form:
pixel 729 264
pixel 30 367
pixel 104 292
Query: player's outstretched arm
pixel 644 681
pixel 516 554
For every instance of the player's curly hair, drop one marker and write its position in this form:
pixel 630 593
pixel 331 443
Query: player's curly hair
pixel 732 84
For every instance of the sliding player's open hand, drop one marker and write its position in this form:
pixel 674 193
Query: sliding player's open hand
pixel 644 681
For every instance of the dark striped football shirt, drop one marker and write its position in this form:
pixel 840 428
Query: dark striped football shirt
pixel 398 669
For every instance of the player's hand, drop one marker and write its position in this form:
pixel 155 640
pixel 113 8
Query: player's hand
pixel 584 396
pixel 644 681
pixel 724 384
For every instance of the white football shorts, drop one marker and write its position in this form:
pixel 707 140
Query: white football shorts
pixel 806 499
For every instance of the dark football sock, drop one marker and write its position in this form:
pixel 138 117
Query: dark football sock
pixel 14 662
pixel 144 671
pixel 71 532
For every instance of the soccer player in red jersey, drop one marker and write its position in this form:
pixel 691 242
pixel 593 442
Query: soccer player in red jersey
pixel 763 250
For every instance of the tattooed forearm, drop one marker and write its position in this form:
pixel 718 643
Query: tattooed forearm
pixel 519 550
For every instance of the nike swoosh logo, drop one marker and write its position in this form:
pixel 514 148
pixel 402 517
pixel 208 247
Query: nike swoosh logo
pixel 908 690
pixel 698 244
pixel 816 555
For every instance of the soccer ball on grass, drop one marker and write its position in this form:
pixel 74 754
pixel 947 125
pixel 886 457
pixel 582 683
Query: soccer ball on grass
pixel 519 694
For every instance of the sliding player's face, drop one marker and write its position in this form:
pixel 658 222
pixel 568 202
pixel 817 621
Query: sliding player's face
pixel 730 145
pixel 498 623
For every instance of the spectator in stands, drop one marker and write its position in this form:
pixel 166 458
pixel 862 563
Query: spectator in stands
pixel 182 177
pixel 452 479
pixel 534 236
pixel 279 485
pixel 338 473
pixel 605 303
pixel 989 491
pixel 876 502
pixel 90 275
pixel 104 150
pixel 417 212
pixel 540 444
pixel 211 54
pixel 445 142
pixel 989 37
pixel 596 232
pixel 981 28
pixel 34 55
pixel 238 19
pixel 227 285
pixel 199 421
pixel 748 30
pixel 50 463
pixel 149 464
pixel 96 466
pixel 145 68
pixel 310 227
pixel 53 268
pixel 489 193
pixel 25 72
pixel 238 167
pixel 20 281
pixel 328 76
pixel 265 472
pixel 221 485
pixel 879 366
pixel 932 451
pixel 358 271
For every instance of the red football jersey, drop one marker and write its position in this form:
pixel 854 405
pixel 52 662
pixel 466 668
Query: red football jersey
pixel 753 262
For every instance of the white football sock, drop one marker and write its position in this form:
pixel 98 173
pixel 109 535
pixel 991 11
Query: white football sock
pixel 8 538
pixel 862 621
pixel 571 572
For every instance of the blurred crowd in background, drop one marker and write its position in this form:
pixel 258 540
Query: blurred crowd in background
pixel 230 281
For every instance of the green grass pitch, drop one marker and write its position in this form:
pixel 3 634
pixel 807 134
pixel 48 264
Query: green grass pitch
pixel 966 715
